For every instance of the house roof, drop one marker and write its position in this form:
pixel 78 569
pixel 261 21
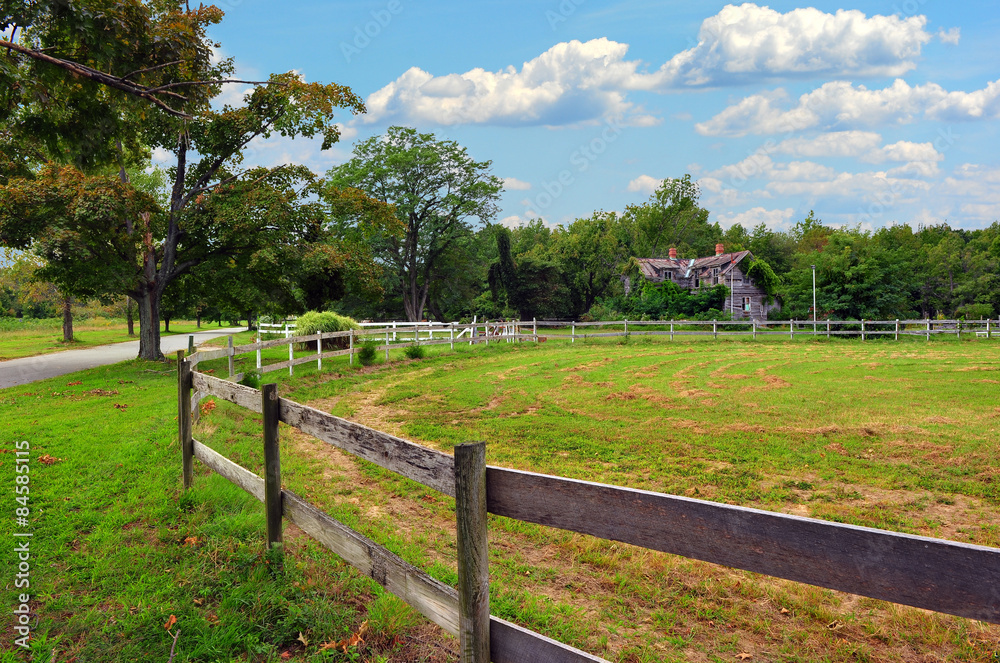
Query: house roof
pixel 652 267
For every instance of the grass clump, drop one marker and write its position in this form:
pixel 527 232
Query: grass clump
pixel 414 352
pixel 314 322
pixel 367 352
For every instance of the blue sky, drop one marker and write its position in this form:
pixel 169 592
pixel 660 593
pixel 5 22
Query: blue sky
pixel 872 113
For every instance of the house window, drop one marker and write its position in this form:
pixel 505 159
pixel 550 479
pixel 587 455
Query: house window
pixel 715 271
pixel 746 304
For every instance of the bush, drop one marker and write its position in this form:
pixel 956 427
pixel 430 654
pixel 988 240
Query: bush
pixel 251 379
pixel 367 352
pixel 414 352
pixel 314 322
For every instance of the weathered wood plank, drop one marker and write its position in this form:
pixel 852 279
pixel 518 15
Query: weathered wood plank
pixel 272 463
pixel 275 367
pixel 430 597
pixel 233 392
pixel 510 643
pixel 431 468
pixel 473 553
pixel 946 576
pixel 274 342
pixel 184 418
pixel 226 468
pixel 206 355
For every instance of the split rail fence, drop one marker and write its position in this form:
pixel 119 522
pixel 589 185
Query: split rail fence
pixel 934 574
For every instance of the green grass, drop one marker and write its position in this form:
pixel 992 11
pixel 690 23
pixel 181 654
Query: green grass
pixel 36 337
pixel 118 548
pixel 901 436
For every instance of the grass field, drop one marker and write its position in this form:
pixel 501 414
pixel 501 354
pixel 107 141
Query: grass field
pixel 36 337
pixel 901 436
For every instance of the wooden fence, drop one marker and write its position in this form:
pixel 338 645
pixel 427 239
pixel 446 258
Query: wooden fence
pixel 934 574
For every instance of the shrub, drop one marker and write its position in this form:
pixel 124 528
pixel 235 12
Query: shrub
pixel 367 352
pixel 314 322
pixel 414 352
pixel 251 379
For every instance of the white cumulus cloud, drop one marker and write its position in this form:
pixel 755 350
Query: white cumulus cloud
pixel 644 184
pixel 831 144
pixel 775 219
pixel 580 82
pixel 514 184
pixel 840 104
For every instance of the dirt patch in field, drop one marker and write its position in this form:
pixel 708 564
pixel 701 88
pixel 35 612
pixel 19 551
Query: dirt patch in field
pixel 586 367
pixel 984 381
pixel 941 420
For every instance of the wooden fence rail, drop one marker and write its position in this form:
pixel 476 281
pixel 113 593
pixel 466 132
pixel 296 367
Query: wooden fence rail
pixel 935 574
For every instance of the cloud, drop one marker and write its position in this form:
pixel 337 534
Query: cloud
pixel 831 144
pixel 514 184
pixel 749 43
pixel 949 36
pixel 644 184
pixel 514 221
pixel 840 104
pixel 904 150
pixel 580 82
pixel 775 219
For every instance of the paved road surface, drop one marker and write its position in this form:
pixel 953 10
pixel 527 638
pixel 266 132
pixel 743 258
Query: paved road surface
pixel 29 369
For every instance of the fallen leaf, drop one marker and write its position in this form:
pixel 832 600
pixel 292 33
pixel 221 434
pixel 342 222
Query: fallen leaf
pixel 170 622
pixel 199 601
pixel 835 624
pixel 785 611
pixel 46 459
pixel 744 656
pixel 121 406
pixel 191 541
pixel 74 383
pixel 303 639
pixel 286 655
pixel 207 407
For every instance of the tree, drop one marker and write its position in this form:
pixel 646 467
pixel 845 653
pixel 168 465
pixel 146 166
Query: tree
pixel 435 187
pixel 671 218
pixel 214 213
pixel 531 285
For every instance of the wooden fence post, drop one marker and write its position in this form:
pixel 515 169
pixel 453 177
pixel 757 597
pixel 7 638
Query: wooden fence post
pixel 258 344
pixel 184 418
pixel 451 335
pixel 987 328
pixel 928 329
pixel 572 332
pixel 473 553
pixel 897 329
pixel 472 334
pixel 715 329
pixel 862 329
pixel 754 326
pixel 486 326
pixel 791 329
pixel 828 328
pixel 534 329
pixel 350 346
pixel 272 467
pixel 319 351
pixel 229 347
pixel 291 356
pixel 191 344
pixel 626 327
pixel 671 330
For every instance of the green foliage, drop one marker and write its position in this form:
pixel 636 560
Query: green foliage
pixel 312 322
pixel 367 352
pixel 668 301
pixel 252 379
pixel 415 351
pixel 764 277
pixel 434 187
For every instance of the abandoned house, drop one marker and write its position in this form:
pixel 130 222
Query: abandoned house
pixel 746 300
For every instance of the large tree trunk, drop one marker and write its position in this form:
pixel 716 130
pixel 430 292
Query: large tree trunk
pixel 129 316
pixel 67 320
pixel 149 326
pixel 166 324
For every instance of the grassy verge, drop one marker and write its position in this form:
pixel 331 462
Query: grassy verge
pixel 45 336
pixel 118 549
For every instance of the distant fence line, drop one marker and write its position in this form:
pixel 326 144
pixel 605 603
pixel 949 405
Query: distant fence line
pixel 396 335
pixel 935 574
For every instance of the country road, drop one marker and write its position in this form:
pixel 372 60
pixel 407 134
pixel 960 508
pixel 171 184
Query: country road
pixel 31 369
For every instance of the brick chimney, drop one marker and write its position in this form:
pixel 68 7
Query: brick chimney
pixel 673 253
pixel 719 249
